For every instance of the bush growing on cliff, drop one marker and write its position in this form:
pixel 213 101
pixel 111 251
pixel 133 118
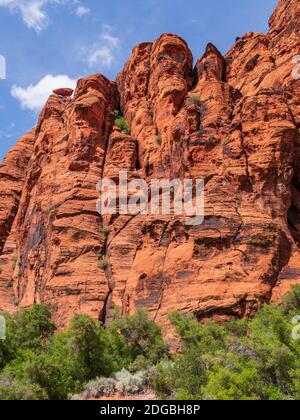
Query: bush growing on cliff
pixel 159 139
pixel 103 264
pixel 193 100
pixel 122 123
pixel 10 284
pixel 104 231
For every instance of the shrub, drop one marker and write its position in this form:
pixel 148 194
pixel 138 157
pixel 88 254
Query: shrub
pixel 10 284
pixel 162 380
pixel 134 336
pixel 159 139
pixel 21 391
pixel 207 337
pixel 235 383
pixel 60 365
pixel 122 123
pixel 262 240
pixel 104 231
pixel 15 260
pixel 128 383
pixel 238 360
pixel 99 387
pixel 193 100
pixel 244 359
pixel 224 143
pixel 291 303
pixel 124 382
pixel 141 363
pixel 103 264
pixel 76 397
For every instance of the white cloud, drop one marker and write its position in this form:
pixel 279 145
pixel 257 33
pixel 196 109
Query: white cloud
pixel 82 10
pixel 34 97
pixel 101 56
pixel 111 40
pixel 104 55
pixel 33 12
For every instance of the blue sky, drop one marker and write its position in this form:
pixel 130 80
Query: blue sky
pixel 47 43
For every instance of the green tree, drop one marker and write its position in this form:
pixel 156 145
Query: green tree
pixel 71 359
pixel 89 342
pixel 237 360
pixel 26 329
pixel 291 302
pixel 273 351
pixel 55 370
pixel 206 337
pixel 136 336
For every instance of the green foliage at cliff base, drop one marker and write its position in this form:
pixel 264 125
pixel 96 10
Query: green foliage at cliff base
pixel 257 359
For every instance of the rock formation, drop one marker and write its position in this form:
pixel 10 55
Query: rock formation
pixel 239 132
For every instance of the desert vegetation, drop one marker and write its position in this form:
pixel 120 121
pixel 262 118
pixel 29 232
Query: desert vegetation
pixel 193 100
pixel 254 359
pixel 122 123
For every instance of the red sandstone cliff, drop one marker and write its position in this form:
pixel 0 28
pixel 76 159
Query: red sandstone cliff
pixel 242 137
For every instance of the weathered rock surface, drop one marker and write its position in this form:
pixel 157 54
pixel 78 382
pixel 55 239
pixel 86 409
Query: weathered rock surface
pixel 64 92
pixel 239 132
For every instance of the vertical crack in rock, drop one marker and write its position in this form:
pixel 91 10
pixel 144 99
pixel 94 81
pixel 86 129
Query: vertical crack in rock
pixel 246 161
pixel 294 210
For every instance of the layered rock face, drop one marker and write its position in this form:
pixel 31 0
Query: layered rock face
pixel 239 132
